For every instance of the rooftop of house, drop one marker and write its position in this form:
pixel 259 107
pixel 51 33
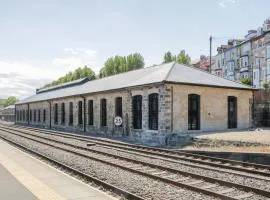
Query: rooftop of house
pixel 164 73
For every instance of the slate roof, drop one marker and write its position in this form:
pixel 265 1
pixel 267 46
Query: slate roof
pixel 64 85
pixel 170 72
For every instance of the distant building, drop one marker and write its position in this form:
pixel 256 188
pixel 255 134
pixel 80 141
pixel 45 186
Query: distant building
pixel 203 63
pixel 248 58
pixel 8 113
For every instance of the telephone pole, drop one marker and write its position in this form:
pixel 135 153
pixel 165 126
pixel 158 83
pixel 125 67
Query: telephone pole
pixel 210 39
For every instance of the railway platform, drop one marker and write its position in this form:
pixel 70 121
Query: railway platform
pixel 27 178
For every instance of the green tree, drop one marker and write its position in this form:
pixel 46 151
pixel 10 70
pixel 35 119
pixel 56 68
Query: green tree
pixel 168 57
pixel 265 85
pixel 119 64
pixel 10 100
pixel 183 58
pixel 245 81
pixel 71 76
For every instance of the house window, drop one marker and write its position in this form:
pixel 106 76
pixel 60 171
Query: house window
pixel 90 112
pixel 268 67
pixel 254 75
pixel 80 112
pixel 30 115
pixel 44 115
pixel 153 111
pixel 55 113
pixel 38 115
pixel 137 111
pixel 70 113
pixel 268 52
pixel 35 115
pixel 63 114
pixel 103 112
pixel 193 112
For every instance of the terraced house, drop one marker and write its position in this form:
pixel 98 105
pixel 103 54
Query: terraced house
pixel 153 103
pixel 248 58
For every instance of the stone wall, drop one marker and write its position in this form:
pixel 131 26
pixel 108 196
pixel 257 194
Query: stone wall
pixel 213 103
pixel 173 112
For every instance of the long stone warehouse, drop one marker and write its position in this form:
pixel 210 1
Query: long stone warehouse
pixel 153 103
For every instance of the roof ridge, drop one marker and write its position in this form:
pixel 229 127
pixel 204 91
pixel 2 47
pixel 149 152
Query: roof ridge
pixel 169 72
pixel 216 75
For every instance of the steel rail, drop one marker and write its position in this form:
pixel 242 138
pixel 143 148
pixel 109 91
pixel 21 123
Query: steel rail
pixel 211 180
pixel 72 170
pixel 244 166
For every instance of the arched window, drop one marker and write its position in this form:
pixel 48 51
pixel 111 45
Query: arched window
pixel 153 111
pixel 30 115
pixel 103 112
pixel 63 113
pixel 90 112
pixel 137 111
pixel 55 113
pixel 70 113
pixel 44 115
pixel 80 113
pixel 232 112
pixel 39 115
pixel 193 112
pixel 35 115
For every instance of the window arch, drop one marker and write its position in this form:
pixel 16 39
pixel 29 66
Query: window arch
pixel 194 112
pixel 232 112
pixel 137 111
pixel 90 112
pixel 38 115
pixel 103 112
pixel 35 115
pixel 63 113
pixel 80 112
pixel 153 111
pixel 70 113
pixel 55 113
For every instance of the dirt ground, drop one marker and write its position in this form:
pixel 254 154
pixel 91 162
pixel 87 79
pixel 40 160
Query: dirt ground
pixel 258 136
pixel 261 136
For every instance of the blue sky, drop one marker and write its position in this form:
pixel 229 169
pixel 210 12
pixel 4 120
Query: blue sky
pixel 42 40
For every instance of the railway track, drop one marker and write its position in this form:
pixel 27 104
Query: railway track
pixel 249 168
pixel 197 183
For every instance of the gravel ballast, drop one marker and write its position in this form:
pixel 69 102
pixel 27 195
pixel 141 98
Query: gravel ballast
pixel 140 185
pixel 226 176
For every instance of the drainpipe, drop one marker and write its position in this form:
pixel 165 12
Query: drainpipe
pixel 28 122
pixel 171 109
pixel 50 117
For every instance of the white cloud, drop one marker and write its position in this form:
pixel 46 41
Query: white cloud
pixel 20 78
pixel 225 3
pixel 77 57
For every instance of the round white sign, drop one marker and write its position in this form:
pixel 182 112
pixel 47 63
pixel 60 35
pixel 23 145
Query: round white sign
pixel 118 121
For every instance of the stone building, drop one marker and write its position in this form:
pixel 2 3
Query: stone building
pixel 8 113
pixel 153 103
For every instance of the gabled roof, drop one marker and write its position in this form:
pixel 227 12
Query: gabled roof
pixel 170 73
